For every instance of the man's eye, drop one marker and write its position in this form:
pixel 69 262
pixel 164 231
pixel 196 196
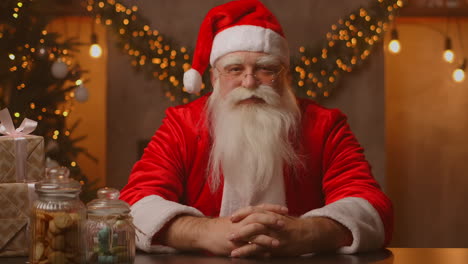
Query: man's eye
pixel 234 70
pixel 266 69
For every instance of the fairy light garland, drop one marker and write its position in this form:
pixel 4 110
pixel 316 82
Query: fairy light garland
pixel 316 71
pixel 349 43
pixel 150 51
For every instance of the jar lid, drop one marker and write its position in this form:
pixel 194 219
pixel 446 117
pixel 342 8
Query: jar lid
pixel 108 203
pixel 58 181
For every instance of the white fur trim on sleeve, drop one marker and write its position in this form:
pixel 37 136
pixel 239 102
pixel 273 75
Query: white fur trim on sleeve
pixel 150 214
pixel 360 217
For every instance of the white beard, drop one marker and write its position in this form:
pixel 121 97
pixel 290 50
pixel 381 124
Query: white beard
pixel 251 142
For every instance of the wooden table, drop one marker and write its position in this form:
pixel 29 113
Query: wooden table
pixel 391 255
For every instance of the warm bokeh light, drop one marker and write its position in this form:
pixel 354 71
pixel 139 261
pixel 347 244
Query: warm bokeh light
pixel 95 51
pixel 449 56
pixel 458 75
pixel 42 51
pixel 394 46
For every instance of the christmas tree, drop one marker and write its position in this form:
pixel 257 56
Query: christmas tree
pixel 39 80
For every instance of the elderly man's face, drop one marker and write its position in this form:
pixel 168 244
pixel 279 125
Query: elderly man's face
pixel 248 70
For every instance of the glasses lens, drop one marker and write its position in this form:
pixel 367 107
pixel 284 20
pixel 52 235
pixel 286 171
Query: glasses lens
pixel 264 74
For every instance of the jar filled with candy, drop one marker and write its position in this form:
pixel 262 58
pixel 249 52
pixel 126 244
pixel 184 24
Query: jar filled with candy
pixel 110 230
pixel 57 220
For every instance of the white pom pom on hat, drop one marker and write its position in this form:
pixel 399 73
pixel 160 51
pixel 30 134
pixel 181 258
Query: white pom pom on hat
pixel 242 25
pixel 192 81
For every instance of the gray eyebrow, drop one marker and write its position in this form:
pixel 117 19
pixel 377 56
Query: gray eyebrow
pixel 232 60
pixel 268 60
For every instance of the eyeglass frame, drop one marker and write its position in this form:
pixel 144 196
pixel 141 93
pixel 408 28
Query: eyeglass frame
pixel 254 75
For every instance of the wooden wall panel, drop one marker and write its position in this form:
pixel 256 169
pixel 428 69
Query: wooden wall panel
pixel 426 138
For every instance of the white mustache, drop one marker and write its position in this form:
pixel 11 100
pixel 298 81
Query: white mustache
pixel 265 92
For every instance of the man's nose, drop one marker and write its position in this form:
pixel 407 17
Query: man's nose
pixel 249 81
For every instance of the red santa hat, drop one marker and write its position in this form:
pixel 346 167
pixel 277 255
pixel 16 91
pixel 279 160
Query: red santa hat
pixel 242 25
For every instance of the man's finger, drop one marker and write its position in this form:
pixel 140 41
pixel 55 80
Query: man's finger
pixel 270 220
pixel 279 209
pixel 265 241
pixel 248 231
pixel 242 213
pixel 245 211
pixel 248 250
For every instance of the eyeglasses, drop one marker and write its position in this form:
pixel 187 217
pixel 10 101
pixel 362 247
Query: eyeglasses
pixel 264 74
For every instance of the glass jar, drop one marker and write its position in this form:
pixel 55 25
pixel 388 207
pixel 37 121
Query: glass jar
pixel 110 231
pixel 57 220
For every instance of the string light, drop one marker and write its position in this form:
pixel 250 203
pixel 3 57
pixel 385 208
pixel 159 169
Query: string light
pixel 448 54
pixel 458 74
pixel 394 45
pixel 149 50
pixel 95 49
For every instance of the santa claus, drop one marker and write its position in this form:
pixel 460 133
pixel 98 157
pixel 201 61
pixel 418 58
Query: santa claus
pixel 250 170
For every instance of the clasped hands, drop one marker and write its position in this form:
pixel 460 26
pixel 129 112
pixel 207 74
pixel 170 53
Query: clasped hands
pixel 256 231
pixel 262 230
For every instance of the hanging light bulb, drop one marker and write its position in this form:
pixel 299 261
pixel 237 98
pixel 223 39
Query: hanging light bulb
pixel 458 74
pixel 394 45
pixel 449 56
pixel 95 49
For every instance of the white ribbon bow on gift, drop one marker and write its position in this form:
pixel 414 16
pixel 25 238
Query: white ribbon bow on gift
pixel 8 128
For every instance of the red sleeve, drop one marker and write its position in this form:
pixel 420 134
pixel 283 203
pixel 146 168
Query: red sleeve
pixel 348 174
pixel 160 169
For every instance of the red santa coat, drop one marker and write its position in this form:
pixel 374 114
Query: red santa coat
pixel 174 168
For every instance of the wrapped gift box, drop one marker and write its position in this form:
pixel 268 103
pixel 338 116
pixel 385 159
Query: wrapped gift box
pixel 15 200
pixel 27 152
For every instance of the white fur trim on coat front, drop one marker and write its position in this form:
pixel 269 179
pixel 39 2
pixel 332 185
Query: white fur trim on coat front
pixel 249 38
pixel 232 200
pixel 360 217
pixel 150 214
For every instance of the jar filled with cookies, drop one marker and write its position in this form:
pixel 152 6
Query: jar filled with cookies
pixel 110 231
pixel 57 220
